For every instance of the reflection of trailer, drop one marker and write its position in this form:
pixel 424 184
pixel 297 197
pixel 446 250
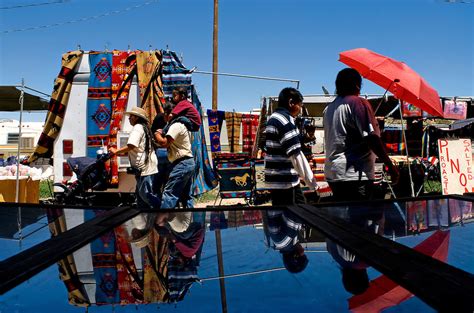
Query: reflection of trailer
pixel 72 139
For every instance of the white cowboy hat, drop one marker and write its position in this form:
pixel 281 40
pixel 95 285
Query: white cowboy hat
pixel 138 112
pixel 179 221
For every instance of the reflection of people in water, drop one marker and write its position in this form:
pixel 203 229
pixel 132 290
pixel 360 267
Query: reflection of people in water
pixel 186 240
pixel 283 228
pixel 353 269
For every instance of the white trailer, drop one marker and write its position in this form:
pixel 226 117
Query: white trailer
pixel 74 129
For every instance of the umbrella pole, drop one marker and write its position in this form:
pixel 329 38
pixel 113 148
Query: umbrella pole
pixel 406 149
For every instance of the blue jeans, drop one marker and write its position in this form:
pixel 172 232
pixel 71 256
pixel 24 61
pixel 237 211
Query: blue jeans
pixel 178 186
pixel 164 168
pixel 146 197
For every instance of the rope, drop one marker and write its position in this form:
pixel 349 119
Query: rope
pixel 83 19
pixel 20 6
pixel 243 274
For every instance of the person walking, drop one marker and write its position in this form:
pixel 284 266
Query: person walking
pixel 352 141
pixel 284 160
pixel 177 139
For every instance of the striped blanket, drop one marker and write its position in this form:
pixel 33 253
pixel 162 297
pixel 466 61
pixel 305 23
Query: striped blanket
pixel 174 73
pixel 57 105
pixel 249 131
pixel 233 121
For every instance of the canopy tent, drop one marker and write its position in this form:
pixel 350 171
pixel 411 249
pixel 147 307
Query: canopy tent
pixel 10 99
pixel 16 98
pixel 315 104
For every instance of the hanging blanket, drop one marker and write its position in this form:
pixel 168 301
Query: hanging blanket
pixel 76 292
pixel 57 105
pixel 393 140
pixel 249 131
pixel 233 120
pixel 122 66
pixel 98 101
pixel 149 69
pixel 174 73
pixel 204 178
pixel 259 142
pixel 215 119
pixel 104 264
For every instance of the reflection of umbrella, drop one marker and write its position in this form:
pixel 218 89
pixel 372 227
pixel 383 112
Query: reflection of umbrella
pixel 384 293
pixel 397 77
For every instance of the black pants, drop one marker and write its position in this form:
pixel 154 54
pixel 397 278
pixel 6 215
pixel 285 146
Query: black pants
pixel 352 190
pixel 287 196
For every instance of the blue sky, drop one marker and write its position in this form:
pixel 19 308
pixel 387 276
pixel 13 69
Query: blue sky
pixel 297 39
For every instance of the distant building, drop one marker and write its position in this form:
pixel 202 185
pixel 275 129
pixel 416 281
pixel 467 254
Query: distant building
pixel 10 137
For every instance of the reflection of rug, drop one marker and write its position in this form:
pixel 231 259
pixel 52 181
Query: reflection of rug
pixel 129 283
pixel 77 294
pixel 104 263
pixel 98 101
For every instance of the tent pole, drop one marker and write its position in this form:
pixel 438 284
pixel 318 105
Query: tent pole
pixel 406 149
pixel 17 187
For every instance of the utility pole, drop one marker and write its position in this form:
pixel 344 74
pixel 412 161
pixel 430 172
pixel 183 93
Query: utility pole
pixel 217 232
pixel 214 55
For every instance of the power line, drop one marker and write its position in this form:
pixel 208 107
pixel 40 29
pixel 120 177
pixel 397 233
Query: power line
pixel 83 19
pixel 20 6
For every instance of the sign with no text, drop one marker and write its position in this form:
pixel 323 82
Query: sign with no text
pixel 457 173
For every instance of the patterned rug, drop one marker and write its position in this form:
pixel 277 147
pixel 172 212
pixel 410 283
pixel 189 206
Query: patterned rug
pixel 57 105
pixel 123 64
pixel 233 121
pixel 149 71
pixel 98 101
pixel 174 73
pixel 249 131
pixel 215 119
pixel 104 263
pixel 76 292
pixel 260 138
pixel 204 178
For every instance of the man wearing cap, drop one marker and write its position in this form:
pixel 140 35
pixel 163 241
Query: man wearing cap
pixel 143 160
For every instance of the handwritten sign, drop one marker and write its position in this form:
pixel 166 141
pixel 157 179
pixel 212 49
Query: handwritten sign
pixel 455 158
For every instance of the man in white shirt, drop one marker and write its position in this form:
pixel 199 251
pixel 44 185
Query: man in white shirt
pixel 143 160
pixel 177 140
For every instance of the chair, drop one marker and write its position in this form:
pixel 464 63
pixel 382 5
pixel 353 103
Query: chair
pixel 236 175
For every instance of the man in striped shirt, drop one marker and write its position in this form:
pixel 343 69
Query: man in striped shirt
pixel 284 160
pixel 283 228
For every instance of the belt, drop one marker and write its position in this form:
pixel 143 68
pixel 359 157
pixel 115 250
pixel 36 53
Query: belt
pixel 180 159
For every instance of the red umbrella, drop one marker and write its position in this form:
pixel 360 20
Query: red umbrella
pixel 395 76
pixel 384 293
